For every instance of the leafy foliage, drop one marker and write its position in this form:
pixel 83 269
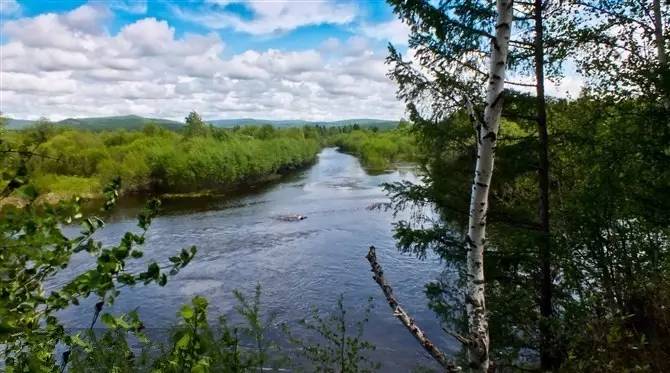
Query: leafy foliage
pixel 377 150
pixel 609 192
pixel 196 346
pixel 75 162
pixel 35 249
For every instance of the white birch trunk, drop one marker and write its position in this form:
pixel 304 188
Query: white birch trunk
pixel 478 347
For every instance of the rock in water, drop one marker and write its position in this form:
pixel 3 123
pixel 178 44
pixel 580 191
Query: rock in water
pixel 291 217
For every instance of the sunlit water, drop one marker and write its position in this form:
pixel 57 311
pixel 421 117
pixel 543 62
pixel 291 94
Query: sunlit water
pixel 299 264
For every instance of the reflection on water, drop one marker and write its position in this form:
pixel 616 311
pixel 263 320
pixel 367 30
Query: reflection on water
pixel 299 264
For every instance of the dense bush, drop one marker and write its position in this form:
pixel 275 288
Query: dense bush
pixel 79 162
pixel 378 150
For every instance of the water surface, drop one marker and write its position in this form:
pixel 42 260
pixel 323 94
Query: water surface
pixel 241 242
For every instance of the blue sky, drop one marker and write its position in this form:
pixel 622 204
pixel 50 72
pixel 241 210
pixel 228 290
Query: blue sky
pixel 316 60
pixel 272 59
pixel 301 37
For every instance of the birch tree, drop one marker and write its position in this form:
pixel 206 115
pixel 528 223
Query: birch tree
pixel 487 132
pixel 453 46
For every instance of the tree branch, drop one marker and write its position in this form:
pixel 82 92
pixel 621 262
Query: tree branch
pixel 402 315
pixel 614 14
pixel 521 84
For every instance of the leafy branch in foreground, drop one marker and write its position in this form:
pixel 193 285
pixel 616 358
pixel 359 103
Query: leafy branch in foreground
pixel 195 345
pixel 34 248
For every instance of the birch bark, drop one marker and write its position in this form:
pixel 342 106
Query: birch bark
pixel 478 346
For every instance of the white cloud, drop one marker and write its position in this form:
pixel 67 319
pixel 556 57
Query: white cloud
pixel 331 45
pixel 569 86
pixel 9 8
pixel 72 31
pixel 88 19
pixel 394 31
pixel 69 65
pixel 271 17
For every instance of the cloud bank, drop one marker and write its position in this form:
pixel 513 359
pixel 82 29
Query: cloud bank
pixel 70 65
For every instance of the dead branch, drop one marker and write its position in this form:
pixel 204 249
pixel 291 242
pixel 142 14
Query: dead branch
pixel 402 315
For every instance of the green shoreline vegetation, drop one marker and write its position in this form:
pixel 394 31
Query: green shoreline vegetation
pixel 378 150
pixel 199 159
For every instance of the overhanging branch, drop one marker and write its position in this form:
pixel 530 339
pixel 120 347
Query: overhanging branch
pixel 406 320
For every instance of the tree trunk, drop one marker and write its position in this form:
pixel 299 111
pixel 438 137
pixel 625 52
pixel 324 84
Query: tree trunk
pixel 547 357
pixel 660 49
pixel 478 346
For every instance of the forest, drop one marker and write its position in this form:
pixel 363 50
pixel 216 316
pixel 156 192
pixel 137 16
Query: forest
pixel 550 215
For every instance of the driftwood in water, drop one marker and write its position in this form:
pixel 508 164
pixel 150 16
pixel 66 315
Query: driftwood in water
pixel 404 317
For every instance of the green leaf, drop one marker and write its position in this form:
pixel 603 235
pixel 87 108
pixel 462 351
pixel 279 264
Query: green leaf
pixel 108 320
pixel 136 254
pixel 183 342
pixel 163 280
pixel 199 302
pixel 186 312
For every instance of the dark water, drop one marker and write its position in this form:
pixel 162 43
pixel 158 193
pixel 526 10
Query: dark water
pixel 299 265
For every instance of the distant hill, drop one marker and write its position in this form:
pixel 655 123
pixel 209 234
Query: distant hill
pixel 134 122
pixel 364 122
pixel 18 124
pixel 128 122
pixel 227 123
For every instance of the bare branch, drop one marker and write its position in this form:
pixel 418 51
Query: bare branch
pixel 402 315
pixel 459 337
pixel 521 84
pixel 521 44
pixel 615 15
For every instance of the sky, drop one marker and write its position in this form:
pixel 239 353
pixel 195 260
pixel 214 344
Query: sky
pixel 272 59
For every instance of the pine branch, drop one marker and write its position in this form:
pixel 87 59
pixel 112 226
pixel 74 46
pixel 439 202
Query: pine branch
pixel 614 14
pixel 402 315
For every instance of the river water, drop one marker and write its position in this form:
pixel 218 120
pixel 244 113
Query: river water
pixel 242 241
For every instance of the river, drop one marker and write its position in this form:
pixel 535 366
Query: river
pixel 299 264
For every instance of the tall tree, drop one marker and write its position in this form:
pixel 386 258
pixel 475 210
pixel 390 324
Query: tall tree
pixel 542 46
pixel 487 133
pixel 195 126
pixel 546 357
pixel 453 45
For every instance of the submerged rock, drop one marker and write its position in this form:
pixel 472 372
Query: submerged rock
pixel 291 217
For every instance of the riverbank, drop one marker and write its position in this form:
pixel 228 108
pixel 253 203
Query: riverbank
pixel 67 163
pixel 157 162
pixel 378 151
pixel 94 200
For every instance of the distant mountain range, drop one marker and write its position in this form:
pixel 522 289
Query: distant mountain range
pixel 129 122
pixel 134 122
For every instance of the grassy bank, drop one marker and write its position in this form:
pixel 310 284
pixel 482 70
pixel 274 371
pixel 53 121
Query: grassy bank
pixel 378 150
pixel 74 162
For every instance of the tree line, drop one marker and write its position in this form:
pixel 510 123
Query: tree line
pixel 157 160
pixel 199 158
